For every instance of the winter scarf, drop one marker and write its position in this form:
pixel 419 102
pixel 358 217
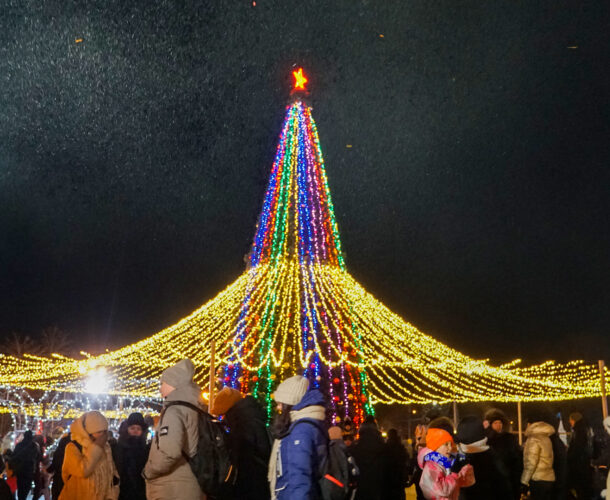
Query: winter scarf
pixel 436 457
pixel 313 412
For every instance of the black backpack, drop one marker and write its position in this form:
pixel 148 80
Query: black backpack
pixel 211 465
pixel 338 472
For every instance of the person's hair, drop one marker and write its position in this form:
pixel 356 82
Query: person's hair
pixel 370 420
pixel 393 436
pixel 281 422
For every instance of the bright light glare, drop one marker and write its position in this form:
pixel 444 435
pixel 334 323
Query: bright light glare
pixel 97 382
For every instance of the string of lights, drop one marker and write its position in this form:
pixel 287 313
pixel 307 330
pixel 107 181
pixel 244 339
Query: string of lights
pixel 297 310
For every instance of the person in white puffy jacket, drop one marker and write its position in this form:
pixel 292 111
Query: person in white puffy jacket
pixel 538 474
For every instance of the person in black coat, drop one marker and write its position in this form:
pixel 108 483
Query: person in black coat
pixel 506 447
pixel 56 465
pixel 396 456
pixel 370 454
pixel 131 454
pixel 24 460
pixel 5 490
pixel 580 451
pixel 249 444
pixel 491 477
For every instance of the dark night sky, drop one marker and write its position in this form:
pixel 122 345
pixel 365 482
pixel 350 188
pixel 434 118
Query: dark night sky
pixel 474 200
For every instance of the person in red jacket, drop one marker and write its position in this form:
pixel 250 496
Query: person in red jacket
pixel 437 481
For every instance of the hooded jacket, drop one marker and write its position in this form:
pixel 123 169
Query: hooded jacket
pixel 168 474
pixel 295 463
pixel 538 453
pixel 250 448
pixel 88 473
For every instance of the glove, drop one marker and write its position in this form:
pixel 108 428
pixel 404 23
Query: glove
pixel 524 489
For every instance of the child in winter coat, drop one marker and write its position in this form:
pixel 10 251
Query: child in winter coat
pixel 437 481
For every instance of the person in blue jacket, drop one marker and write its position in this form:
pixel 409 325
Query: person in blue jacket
pixel 299 448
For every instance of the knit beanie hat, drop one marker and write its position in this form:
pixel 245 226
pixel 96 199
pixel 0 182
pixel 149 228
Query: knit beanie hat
pixel 470 430
pixel 94 421
pixel 435 438
pixel 136 419
pixel 291 390
pixel 179 374
pixel 224 400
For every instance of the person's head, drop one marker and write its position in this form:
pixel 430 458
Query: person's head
pixel 470 430
pixel 439 440
pixel 39 440
pixel 370 420
pixel 225 400
pixel 368 429
pixel 574 418
pixel 497 421
pixel 135 424
pixel 348 439
pixel 176 376
pixel 95 425
pixel 288 393
pixel 27 436
pixel 393 436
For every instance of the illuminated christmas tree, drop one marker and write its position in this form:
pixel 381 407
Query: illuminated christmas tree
pixel 294 310
pixel 294 318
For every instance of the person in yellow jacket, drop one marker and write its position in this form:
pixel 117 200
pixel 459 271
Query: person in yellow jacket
pixel 88 470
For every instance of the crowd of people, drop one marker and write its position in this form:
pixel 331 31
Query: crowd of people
pixel 545 468
pixel 299 457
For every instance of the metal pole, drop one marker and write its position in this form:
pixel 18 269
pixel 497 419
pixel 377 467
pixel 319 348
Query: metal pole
pixel 602 377
pixel 520 423
pixel 455 415
pixel 212 373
